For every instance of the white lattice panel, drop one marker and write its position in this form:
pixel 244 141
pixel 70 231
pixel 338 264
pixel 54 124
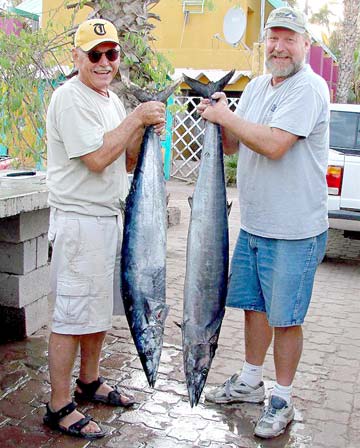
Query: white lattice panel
pixel 187 138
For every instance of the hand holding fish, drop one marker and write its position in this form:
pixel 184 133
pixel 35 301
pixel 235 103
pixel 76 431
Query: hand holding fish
pixel 152 113
pixel 211 110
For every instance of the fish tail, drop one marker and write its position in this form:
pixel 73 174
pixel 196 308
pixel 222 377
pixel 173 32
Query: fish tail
pixel 163 95
pixel 206 90
pixel 199 87
pixel 222 83
pixel 143 95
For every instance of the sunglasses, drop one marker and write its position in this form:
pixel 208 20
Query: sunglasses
pixel 95 56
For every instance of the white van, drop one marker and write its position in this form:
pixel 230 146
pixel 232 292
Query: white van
pixel 343 175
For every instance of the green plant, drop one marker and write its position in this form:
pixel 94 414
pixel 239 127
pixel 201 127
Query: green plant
pixel 31 67
pixel 230 164
pixel 148 68
pixel 25 87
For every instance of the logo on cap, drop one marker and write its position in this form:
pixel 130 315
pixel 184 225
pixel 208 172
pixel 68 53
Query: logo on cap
pixel 285 15
pixel 99 29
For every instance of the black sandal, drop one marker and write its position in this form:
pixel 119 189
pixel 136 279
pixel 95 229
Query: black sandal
pixel 52 420
pixel 114 397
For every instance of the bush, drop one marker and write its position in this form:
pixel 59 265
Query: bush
pixel 230 163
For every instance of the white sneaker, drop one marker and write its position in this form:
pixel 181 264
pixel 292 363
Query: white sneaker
pixel 234 390
pixel 275 418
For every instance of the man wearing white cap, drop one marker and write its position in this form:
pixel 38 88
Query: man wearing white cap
pixel 92 145
pixel 280 129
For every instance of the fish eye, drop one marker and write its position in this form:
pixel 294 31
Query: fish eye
pixel 204 372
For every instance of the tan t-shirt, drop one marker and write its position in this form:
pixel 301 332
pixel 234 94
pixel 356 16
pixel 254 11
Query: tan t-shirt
pixel 77 119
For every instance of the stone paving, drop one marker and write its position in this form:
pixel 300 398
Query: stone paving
pixel 326 388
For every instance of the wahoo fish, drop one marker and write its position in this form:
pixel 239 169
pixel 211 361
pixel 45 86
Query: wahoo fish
pixel 207 256
pixel 143 255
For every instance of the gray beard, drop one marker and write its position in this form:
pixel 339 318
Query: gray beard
pixel 284 72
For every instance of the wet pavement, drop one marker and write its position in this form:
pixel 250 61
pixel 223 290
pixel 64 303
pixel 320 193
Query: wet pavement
pixel 326 388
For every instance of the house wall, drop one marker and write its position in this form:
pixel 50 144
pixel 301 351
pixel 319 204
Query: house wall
pixel 325 66
pixel 11 25
pixel 60 18
pixel 197 40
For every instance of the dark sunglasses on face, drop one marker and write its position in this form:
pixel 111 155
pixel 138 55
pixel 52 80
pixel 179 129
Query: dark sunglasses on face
pixel 95 56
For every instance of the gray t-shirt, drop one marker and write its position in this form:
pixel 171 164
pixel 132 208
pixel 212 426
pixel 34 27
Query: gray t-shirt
pixel 286 198
pixel 77 119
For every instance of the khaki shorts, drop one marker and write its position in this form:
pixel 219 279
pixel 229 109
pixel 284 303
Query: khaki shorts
pixel 85 271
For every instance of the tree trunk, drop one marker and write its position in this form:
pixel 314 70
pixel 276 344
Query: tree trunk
pixel 349 41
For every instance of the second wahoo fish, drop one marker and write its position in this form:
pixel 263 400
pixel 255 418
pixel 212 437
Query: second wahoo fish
pixel 207 258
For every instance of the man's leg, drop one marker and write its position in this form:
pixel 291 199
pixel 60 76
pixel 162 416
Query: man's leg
pixel 280 411
pixel 90 346
pixel 90 351
pixel 258 336
pixel 248 385
pixel 288 343
pixel 62 353
pixel 287 281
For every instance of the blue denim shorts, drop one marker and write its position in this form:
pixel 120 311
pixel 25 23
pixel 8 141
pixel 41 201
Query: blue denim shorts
pixel 275 276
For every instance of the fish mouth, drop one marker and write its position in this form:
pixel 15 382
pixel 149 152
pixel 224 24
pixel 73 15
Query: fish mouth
pixel 197 363
pixel 149 349
pixel 195 385
pixel 150 361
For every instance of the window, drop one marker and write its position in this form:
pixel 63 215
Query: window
pixel 345 131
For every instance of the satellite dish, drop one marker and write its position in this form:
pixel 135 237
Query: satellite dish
pixel 234 25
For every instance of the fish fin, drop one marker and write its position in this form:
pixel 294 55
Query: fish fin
pixel 155 311
pixel 140 94
pixel 163 95
pixel 190 201
pixel 229 205
pixel 199 87
pixel 221 84
pixel 207 90
pixel 144 95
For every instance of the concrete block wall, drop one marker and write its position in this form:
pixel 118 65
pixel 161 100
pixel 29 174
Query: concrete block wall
pixel 24 274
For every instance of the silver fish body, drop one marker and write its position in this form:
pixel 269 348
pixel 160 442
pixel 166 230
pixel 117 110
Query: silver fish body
pixel 143 257
pixel 207 265
pixel 207 257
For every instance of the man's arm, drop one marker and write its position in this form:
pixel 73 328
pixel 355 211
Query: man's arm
pixel 126 137
pixel 270 142
pixel 230 141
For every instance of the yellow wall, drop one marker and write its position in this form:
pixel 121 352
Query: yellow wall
pixel 189 41
pixel 54 11
pixel 62 19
